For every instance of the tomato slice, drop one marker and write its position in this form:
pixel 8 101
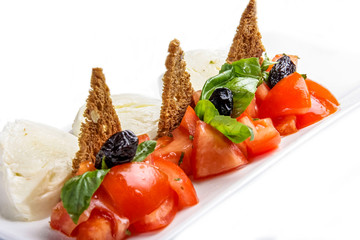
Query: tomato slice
pixel 213 153
pixel 159 218
pixel 188 123
pixel 261 93
pixel 290 96
pixel 266 137
pixel 285 125
pixel 85 166
pixel 112 225
pixel 143 138
pixel 252 109
pixel 196 97
pixel 323 104
pixel 179 182
pixel 136 189
pixel 178 149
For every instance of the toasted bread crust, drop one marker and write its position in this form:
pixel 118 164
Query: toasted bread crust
pixel 101 120
pixel 177 90
pixel 247 40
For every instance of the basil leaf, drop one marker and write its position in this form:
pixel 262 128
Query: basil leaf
pixel 243 90
pixel 205 110
pixel 143 150
pixel 232 129
pixel 77 192
pixel 266 63
pixel 225 67
pixel 215 82
pixel 247 67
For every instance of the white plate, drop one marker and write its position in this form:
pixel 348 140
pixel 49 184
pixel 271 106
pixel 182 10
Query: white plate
pixel 213 191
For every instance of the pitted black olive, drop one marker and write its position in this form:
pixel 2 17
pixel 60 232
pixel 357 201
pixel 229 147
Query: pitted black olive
pixel 118 149
pixel 283 68
pixel 222 98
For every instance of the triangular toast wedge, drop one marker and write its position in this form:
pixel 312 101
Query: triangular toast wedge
pixel 177 90
pixel 247 40
pixel 101 120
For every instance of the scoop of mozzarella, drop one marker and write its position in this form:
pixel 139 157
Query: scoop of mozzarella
pixel 35 162
pixel 137 113
pixel 203 64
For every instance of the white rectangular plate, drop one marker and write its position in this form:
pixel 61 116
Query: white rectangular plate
pixel 315 61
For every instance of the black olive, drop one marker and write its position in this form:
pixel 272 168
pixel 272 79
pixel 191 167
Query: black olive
pixel 222 98
pixel 283 68
pixel 118 149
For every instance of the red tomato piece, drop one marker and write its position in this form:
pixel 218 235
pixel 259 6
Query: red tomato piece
pixel 286 125
pixel 261 93
pixel 323 104
pixel 143 138
pixel 97 227
pixel 266 137
pixel 196 97
pixel 136 189
pixel 159 218
pixel 290 96
pixel 179 182
pixel 213 153
pixel 252 109
pixel 179 147
pixel 85 166
pixel 188 123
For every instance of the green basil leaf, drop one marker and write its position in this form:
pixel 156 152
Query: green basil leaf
pixel 247 67
pixel 143 150
pixel 243 89
pixel 215 82
pixel 266 63
pixel 231 128
pixel 205 110
pixel 225 67
pixel 77 192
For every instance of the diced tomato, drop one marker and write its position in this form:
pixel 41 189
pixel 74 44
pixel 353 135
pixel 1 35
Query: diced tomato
pixel 266 137
pixel 163 141
pixel 261 93
pixel 213 153
pixel 188 123
pixel 243 148
pixel 179 182
pixel 285 125
pixel 136 189
pixel 97 227
pixel 85 166
pixel 61 221
pixel 290 96
pixel 321 92
pixel 252 109
pixel 178 149
pixel 293 58
pixel 196 97
pixel 323 104
pixel 143 138
pixel 159 218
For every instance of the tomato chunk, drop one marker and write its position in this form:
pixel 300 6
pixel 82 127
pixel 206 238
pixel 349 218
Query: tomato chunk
pixel 261 93
pixel 213 153
pixel 266 137
pixel 159 218
pixel 188 123
pixel 285 125
pixel 178 148
pixel 290 96
pixel 179 182
pixel 143 138
pixel 136 189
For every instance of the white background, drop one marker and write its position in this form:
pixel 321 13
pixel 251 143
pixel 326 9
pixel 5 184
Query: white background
pixel 47 50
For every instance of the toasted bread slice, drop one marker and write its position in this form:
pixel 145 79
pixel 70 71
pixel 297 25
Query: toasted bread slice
pixel 177 90
pixel 247 41
pixel 101 120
